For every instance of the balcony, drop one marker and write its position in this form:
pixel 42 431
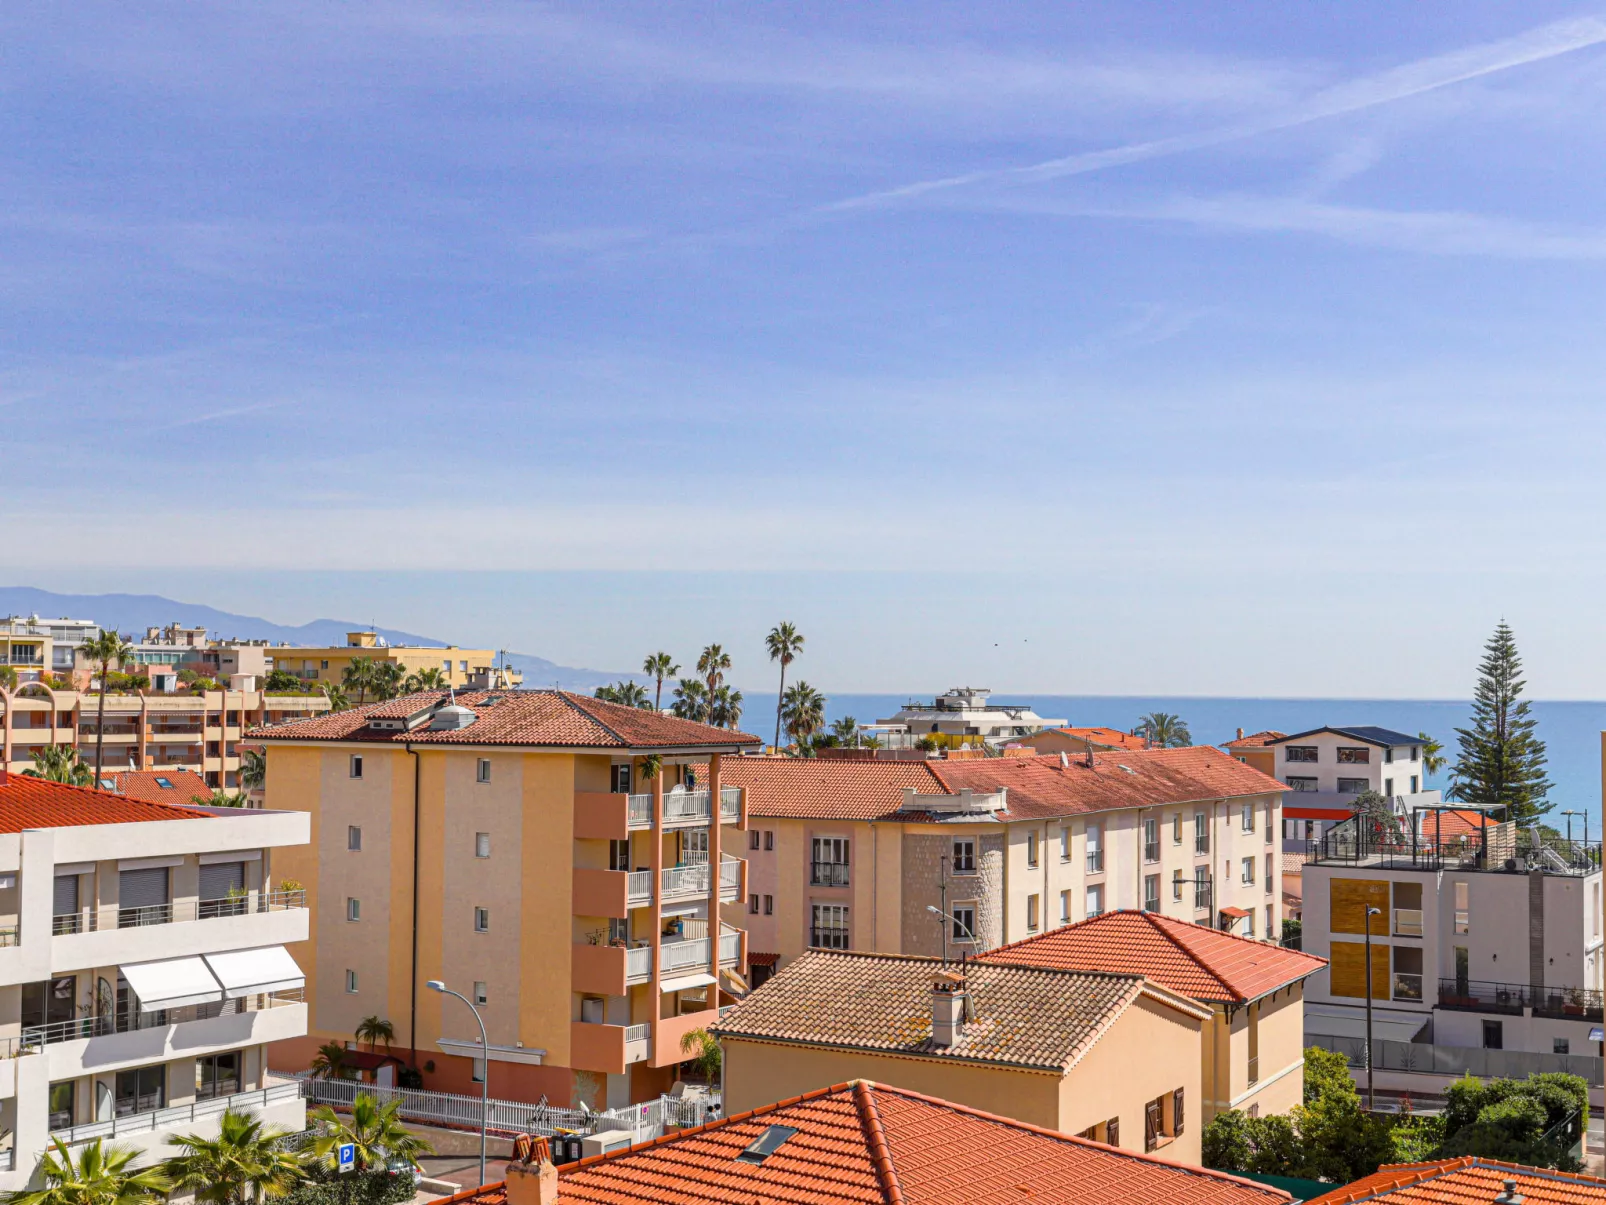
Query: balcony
pixel 1095 861
pixel 1203 897
pixel 1564 1003
pixel 609 816
pixel 257 1100
pixel 1151 851
pixel 829 874
pixel 691 881
pixel 607 1048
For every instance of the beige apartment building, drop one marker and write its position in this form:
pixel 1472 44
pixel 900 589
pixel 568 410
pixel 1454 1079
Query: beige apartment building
pixel 480 669
pixel 201 732
pixel 856 854
pixel 550 856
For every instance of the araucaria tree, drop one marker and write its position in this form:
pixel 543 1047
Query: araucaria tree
pixel 1502 762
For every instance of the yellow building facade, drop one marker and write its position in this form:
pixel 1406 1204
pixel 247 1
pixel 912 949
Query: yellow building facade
pixel 459 667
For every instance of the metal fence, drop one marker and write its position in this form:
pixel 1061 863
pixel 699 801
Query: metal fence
pixel 508 1118
pixel 155 1119
pixel 1388 1055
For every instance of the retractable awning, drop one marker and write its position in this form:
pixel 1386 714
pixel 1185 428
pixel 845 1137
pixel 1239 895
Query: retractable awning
pixel 172 983
pixel 682 982
pixel 263 969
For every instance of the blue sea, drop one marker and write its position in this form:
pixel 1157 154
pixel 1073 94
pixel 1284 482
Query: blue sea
pixel 1571 731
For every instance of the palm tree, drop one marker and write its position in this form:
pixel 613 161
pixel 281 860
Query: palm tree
pixel 428 678
pixel 103 650
pixel 374 1129
pixel 253 769
pixel 8 677
pixel 1433 759
pixel 804 711
pixel 691 700
pixel 1165 730
pixel 98 1176
pixel 725 707
pixel 219 798
pixel 60 763
pixel 359 676
pixel 243 1164
pixel 659 666
pixel 330 1061
pixel 336 695
pixel 784 642
pixel 712 664
pixel 846 731
pixel 704 1054
pixel 390 679
pixel 374 1030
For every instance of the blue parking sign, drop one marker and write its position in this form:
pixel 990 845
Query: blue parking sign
pixel 346 1157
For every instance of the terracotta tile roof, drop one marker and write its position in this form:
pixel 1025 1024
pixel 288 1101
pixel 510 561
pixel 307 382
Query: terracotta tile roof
pixel 546 718
pixel 1026 1016
pixel 1039 787
pixel 1470 1180
pixel 1192 959
pixel 1294 864
pixel 1113 738
pixel 144 784
pixel 1255 740
pixel 811 787
pixel 868 1143
pixel 1457 822
pixel 35 803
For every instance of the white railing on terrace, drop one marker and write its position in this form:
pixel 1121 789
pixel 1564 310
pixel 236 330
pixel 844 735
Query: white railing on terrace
pixel 686 807
pixel 158 1119
pixel 110 916
pixel 639 886
pixel 684 880
pixel 730 803
pixel 37 1036
pixel 730 872
pixel 678 955
pixel 638 963
pixel 641 810
pixel 730 946
pixel 637 1033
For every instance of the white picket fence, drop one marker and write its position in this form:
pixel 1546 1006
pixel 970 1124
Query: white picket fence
pixel 507 1117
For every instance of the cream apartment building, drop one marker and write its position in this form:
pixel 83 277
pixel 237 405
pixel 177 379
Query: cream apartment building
pixel 461 668
pixel 143 970
pixel 561 861
pixel 854 854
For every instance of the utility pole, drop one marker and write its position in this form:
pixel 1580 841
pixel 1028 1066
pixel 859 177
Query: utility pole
pixel 1371 1099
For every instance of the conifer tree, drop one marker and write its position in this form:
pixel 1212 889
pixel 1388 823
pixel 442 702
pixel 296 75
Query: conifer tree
pixel 1502 762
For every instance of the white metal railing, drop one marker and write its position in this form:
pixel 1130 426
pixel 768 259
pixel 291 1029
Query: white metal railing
pixel 730 873
pixel 639 885
pixel 640 811
pixel 110 916
pixel 638 963
pixel 130 1020
pixel 159 1119
pixel 678 955
pixel 730 803
pixel 730 947
pixel 637 1033
pixel 684 880
pixel 682 806
pixel 686 807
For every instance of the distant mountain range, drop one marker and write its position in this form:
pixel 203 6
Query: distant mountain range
pixel 133 613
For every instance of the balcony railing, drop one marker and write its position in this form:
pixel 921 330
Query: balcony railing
pixel 730 803
pixel 828 874
pixel 638 886
pixel 829 937
pixel 110 916
pixel 1202 897
pixel 160 1119
pixel 126 1021
pixel 1408 922
pixel 1151 851
pixel 8 935
pixel 1095 861
pixel 637 1033
pixel 1201 844
pixel 1473 995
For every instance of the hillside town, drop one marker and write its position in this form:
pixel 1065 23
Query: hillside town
pixel 617 940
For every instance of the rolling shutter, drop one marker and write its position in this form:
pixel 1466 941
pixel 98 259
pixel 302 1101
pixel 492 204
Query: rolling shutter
pixel 142 888
pixel 219 878
pixel 65 900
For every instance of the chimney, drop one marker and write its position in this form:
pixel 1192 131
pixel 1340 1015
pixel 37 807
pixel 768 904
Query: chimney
pixel 948 999
pixel 1509 1195
pixel 1240 734
pixel 531 1177
pixel 2 773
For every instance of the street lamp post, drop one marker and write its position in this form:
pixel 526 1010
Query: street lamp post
pixel 1371 1101
pixel 435 985
pixel 958 924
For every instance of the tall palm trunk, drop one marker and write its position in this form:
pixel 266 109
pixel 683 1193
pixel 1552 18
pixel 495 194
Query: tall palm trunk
pixel 100 726
pixel 780 699
pixel 658 695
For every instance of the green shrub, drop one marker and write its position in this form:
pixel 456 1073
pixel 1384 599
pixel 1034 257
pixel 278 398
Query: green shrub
pixel 325 1187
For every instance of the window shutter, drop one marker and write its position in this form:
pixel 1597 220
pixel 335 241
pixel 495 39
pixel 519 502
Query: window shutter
pixel 1112 1131
pixel 1151 1125
pixel 142 888
pixel 65 895
pixel 219 878
pixel 1176 1111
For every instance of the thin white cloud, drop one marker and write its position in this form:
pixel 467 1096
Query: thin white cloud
pixel 1353 96
pixel 213 416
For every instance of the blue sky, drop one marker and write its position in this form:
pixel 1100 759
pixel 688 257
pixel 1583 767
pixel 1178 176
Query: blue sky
pixel 1246 348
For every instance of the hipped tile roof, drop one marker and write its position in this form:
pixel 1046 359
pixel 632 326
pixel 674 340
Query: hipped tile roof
pixel 544 718
pixel 37 803
pixel 1469 1180
pixel 1256 740
pixel 1039 787
pixel 1195 960
pixel 1025 1016
pixel 874 1145
pixel 142 784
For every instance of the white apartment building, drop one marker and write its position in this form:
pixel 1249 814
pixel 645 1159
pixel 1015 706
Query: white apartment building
pixel 965 711
pixel 1326 768
pixel 1486 949
pixel 143 970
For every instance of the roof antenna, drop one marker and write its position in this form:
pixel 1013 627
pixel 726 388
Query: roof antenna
pixel 1090 755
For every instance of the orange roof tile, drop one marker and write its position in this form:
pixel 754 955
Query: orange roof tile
pixel 1114 738
pixel 1255 739
pixel 1195 960
pixel 869 1143
pixel 37 803
pixel 811 787
pixel 1026 1016
pixel 183 785
pixel 1470 1180
pixel 550 718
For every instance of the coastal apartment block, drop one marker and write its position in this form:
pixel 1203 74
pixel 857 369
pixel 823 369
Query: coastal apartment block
pixel 480 669
pixel 1486 948
pixel 856 854
pixel 1326 769
pixel 143 970
pixel 572 866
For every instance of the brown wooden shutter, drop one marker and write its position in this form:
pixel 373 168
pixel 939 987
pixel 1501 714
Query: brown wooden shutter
pixel 1348 900
pixel 1112 1131
pixel 1348 974
pixel 1151 1125
pixel 1176 1112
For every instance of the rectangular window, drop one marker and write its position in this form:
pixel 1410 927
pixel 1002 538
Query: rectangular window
pixel 353 837
pixel 351 982
pixel 1388 757
pixel 478 1075
pixel 1151 893
pixel 1299 785
pixel 1352 786
pixel 829 866
pixel 1249 925
pixel 1494 1035
pixel 217 1075
pixel 1271 822
pixel 752 903
pixel 769 839
pixel 481 993
pixel 1065 843
pixel 769 905
pixel 1201 833
pixel 1247 819
pixel 1560 1046
pixel 356 765
pixel 1065 907
pixel 1271 876
pixel 1151 839
pixel 1176 884
pixel 753 838
pixel 446 666
pixel 1201 887
pixel 1095 849
pixel 141 1090
pixel 1032 902
pixel 618 854
pixel 964 922
pixel 1095 900
pixel 1407 973
pixel 482 770
pixel 1388 788
pixel 964 853
pixel 1176 829
pixel 829 927
pixel 482 845
pixel 1031 849
pixel 1248 870
pixel 1463 914
pixel 1413 784
pixel 618 777
pixel 1299 753
pixel 1269 924
pixel 482 920
pixel 60 1106
pixel 353 908
pixel 1348 756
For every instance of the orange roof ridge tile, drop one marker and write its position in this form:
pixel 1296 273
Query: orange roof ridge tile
pixel 1405 1177
pixel 876 1137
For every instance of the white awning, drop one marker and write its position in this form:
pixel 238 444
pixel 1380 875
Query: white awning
pixel 263 969
pixel 172 983
pixel 683 982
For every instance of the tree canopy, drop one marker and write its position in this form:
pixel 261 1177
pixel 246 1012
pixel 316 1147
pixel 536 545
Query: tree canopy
pixel 1502 761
